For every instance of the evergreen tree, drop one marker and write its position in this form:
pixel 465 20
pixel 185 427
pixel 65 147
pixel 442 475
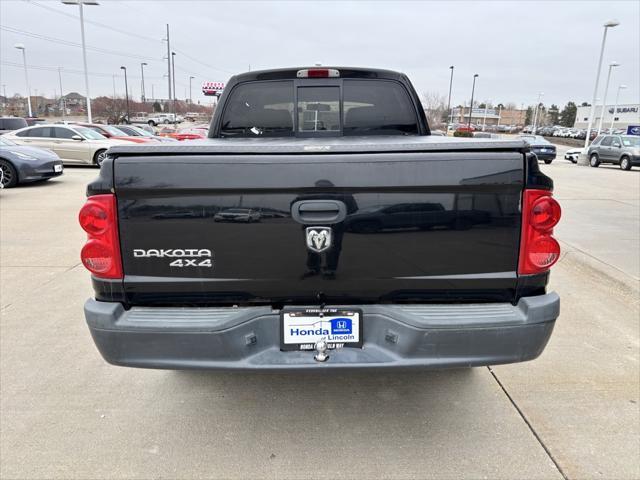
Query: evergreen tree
pixel 568 115
pixel 554 113
pixel 528 119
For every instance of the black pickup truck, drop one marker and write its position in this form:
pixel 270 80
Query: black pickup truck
pixel 320 226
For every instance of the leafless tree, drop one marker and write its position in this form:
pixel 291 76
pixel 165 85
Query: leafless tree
pixel 111 109
pixel 435 106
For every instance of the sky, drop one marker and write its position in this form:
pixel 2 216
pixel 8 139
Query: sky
pixel 517 48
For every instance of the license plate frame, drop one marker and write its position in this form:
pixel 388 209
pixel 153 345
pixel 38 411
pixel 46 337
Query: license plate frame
pixel 330 318
pixel 57 168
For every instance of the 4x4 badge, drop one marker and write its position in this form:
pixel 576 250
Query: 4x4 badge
pixel 318 238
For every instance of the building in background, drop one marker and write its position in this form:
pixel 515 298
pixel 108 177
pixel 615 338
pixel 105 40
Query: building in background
pixel 489 116
pixel 75 103
pixel 624 116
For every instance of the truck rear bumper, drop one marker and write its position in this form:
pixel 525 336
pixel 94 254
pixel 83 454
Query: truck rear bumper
pixel 422 336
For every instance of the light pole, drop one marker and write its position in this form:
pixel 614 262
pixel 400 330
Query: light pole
pixel 449 101
pixel 142 71
pixel 535 115
pixel 20 46
pixel 80 3
pixel 473 89
pixel 484 120
pixel 604 97
pixel 615 107
pixel 190 101
pixel 173 73
pixel 168 67
pixel 607 25
pixel 64 107
pixel 126 90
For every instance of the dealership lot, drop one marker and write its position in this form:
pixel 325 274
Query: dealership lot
pixel 572 413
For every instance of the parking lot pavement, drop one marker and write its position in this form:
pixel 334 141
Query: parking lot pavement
pixel 65 413
pixel 601 213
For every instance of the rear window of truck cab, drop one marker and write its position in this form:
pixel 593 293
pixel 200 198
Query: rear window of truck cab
pixel 285 108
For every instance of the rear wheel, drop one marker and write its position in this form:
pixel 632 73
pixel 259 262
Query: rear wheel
pixel 594 161
pixel 166 121
pixel 548 162
pixel 625 163
pixel 8 174
pixel 99 157
pixel 151 123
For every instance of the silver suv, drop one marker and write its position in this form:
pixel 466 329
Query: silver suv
pixel 623 150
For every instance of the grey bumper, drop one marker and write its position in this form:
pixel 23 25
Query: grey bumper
pixel 426 336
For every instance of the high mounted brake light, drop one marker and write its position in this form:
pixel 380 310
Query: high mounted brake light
pixel 318 73
pixel 101 253
pixel 538 249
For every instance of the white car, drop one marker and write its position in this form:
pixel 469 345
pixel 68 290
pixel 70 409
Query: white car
pixel 242 215
pixel 155 119
pixel 573 154
pixel 74 144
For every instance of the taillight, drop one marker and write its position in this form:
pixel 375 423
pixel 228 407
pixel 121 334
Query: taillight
pixel 101 254
pixel 538 249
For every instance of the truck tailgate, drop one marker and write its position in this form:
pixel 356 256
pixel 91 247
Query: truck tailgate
pixel 418 226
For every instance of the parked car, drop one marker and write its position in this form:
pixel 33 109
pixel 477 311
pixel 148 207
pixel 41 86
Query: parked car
pixel 193 116
pixel 573 154
pixel 8 124
pixel 23 164
pixel 411 216
pixel 138 117
pixel 74 144
pixel 543 148
pixel 155 119
pixel 136 131
pixel 301 291
pixel 242 215
pixel 486 135
pixel 147 128
pixel 191 133
pixel 110 131
pixel 623 150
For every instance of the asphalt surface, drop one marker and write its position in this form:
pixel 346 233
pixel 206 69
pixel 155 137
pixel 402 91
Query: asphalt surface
pixel 572 413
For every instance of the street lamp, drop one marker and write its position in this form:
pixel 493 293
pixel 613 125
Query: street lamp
pixel 190 78
pixel 20 46
pixel 615 107
pixel 126 90
pixel 535 115
pixel 604 97
pixel 173 73
pixel 142 70
pixel 607 25
pixel 80 3
pixel 449 101
pixel 473 89
pixel 64 106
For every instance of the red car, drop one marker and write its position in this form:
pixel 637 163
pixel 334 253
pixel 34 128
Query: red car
pixel 191 133
pixel 110 131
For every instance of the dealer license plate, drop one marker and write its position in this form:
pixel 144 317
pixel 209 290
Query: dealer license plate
pixel 302 328
pixel 57 168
